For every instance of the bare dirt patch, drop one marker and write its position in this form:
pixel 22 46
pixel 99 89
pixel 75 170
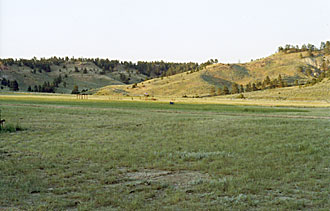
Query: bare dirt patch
pixel 177 179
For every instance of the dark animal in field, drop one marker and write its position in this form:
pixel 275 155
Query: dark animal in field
pixel 2 122
pixel 171 103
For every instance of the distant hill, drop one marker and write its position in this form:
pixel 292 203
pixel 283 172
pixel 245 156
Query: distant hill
pixel 290 66
pixel 84 74
pixel 62 74
pixel 293 68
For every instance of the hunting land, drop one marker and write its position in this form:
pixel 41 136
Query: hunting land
pixel 114 154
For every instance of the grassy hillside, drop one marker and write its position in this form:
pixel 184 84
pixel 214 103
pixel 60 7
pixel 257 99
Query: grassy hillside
pixel 293 66
pixel 176 85
pixel 87 73
pixel 84 74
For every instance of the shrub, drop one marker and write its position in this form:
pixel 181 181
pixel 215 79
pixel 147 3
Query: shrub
pixel 10 128
pixel 241 96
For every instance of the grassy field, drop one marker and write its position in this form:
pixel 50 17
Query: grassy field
pixel 102 154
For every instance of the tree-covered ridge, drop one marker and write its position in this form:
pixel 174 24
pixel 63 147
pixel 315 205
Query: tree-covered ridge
pixel 288 48
pixel 150 69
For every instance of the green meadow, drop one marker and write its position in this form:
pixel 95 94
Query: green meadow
pixel 104 155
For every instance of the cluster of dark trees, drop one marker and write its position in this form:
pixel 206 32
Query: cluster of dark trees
pixel 267 83
pixel 324 46
pixel 13 85
pixel 47 86
pixel 157 69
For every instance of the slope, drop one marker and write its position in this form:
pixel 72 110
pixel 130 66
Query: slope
pixel 86 75
pixel 291 67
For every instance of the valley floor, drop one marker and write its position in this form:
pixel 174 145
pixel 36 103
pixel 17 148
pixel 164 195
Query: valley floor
pixel 138 153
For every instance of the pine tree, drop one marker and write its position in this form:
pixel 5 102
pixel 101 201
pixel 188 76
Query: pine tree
pixel 225 90
pixel 267 80
pixel 254 88
pixel 13 86
pixel 242 88
pixel 212 91
pixel 75 90
pixel 234 89
pixel 248 87
pixel 280 81
pixel 219 92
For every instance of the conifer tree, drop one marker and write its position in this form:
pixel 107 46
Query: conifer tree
pixel 219 92
pixel 212 91
pixel 234 89
pixel 242 88
pixel 75 90
pixel 225 90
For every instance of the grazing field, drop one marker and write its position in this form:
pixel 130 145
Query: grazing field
pixel 101 154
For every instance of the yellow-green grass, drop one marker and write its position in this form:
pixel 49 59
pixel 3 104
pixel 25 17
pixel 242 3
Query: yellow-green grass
pixel 101 154
pixel 221 100
pixel 219 75
pixel 177 85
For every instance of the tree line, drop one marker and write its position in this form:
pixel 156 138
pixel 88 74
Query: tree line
pixel 267 83
pixel 150 69
pixel 324 46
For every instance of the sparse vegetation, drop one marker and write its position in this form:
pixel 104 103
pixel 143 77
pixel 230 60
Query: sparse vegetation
pixel 138 155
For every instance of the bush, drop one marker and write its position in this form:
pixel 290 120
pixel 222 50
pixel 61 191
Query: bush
pixel 10 128
pixel 241 96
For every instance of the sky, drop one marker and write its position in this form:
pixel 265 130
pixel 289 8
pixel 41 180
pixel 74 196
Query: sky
pixel 153 30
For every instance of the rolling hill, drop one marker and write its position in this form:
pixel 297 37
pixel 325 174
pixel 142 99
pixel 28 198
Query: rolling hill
pixel 86 75
pixel 291 66
pixel 62 74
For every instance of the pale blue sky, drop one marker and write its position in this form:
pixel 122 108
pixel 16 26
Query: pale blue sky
pixel 169 30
